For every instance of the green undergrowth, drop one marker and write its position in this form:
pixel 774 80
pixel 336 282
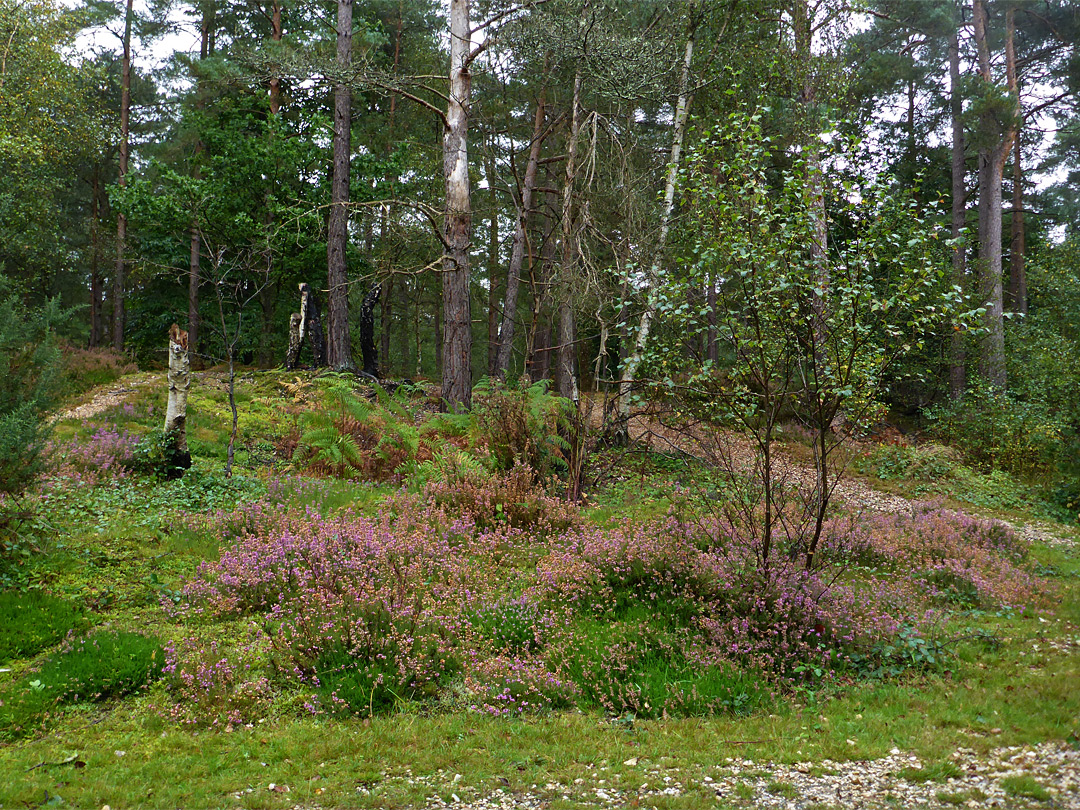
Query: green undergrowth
pixel 934 471
pixel 119 550
pixel 107 664
pixel 33 621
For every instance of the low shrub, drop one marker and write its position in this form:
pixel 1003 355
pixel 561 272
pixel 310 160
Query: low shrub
pixel 34 621
pixel 214 686
pixel 350 437
pixel 519 424
pixel 419 602
pixel 87 368
pixel 108 454
pixel 512 498
pixel 996 430
pixel 103 665
pixel 944 555
pixel 510 685
pixel 157 455
pixel 892 462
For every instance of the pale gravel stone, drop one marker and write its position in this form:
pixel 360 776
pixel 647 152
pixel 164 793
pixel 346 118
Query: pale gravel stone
pixel 868 784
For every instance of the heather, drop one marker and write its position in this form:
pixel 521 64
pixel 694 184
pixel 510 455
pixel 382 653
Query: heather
pixel 422 602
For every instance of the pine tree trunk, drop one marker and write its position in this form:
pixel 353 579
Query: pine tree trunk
pixel 992 158
pixel 339 345
pixel 957 353
pixel 457 316
pixel 121 220
pixel 276 31
pixel 517 248
pixel 1017 279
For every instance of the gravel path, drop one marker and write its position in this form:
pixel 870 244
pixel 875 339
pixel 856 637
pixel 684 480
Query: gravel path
pixel 109 397
pixel 1046 775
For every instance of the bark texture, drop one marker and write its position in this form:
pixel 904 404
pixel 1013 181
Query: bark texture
pixel 367 331
pixel 957 352
pixel 121 220
pixel 517 249
pixel 997 132
pixel 340 348
pixel 179 377
pixel 682 113
pixel 457 313
pixel 311 326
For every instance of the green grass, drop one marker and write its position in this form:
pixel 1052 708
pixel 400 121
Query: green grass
pixel 104 665
pixel 33 621
pixel 120 549
pixel 1025 787
pixel 935 772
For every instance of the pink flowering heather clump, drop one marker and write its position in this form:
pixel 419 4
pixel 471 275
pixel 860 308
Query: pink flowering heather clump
pixel 213 686
pixel 511 497
pixel 945 555
pixel 506 685
pixel 105 456
pixel 774 618
pixel 341 594
pixel 420 601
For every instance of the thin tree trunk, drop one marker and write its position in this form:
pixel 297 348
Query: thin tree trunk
pixel 1017 278
pixel 267 309
pixel 538 348
pixel 121 220
pixel 367 331
pixel 457 317
pixel 339 346
pixel 712 346
pixel 386 300
pixel 957 353
pixel 492 262
pixel 517 249
pixel 991 169
pixel 565 347
pixel 95 259
pixel 275 36
pixel 194 274
pixel 682 114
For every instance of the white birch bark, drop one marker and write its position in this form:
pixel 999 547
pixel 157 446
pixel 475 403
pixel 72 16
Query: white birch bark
pixel 652 279
pixel 179 383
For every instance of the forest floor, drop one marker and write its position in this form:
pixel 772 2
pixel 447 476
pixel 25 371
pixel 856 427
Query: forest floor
pixel 999 726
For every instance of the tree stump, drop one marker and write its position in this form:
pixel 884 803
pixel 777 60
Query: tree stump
pixel 179 377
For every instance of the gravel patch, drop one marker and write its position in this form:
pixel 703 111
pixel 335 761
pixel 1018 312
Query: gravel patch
pixel 1045 775
pixel 109 398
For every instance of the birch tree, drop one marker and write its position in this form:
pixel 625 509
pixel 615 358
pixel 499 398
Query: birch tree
pixel 652 277
pixel 457 312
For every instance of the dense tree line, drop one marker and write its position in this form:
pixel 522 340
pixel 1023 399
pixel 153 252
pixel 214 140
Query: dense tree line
pixel 500 188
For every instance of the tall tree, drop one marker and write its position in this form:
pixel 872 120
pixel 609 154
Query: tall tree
pixel 996 130
pixel 457 313
pixel 957 353
pixel 682 113
pixel 565 341
pixel 121 220
pixel 337 240
pixel 521 235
